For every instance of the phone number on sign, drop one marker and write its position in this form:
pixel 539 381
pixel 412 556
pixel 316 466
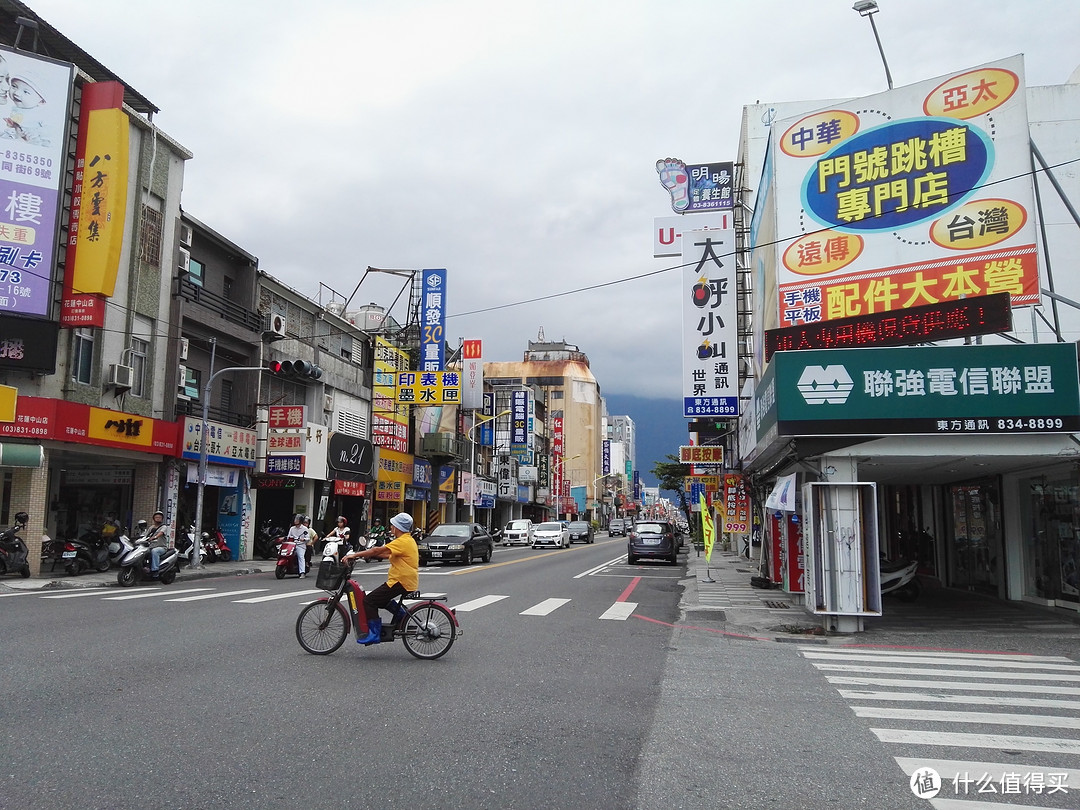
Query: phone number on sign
pixel 1030 424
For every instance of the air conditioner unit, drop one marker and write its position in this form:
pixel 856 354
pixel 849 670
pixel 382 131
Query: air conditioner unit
pixel 183 348
pixel 121 376
pixel 184 265
pixel 181 377
pixel 328 402
pixel 275 324
pixel 185 235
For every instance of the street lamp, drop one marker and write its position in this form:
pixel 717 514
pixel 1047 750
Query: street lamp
pixel 868 8
pixel 596 500
pixel 472 460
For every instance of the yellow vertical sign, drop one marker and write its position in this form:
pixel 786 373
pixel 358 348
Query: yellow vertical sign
pixel 708 528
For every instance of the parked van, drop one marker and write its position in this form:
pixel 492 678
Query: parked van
pixel 518 533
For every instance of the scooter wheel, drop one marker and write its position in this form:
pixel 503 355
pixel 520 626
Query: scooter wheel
pixel 167 578
pixel 226 555
pixel 279 572
pixel 126 577
pixel 24 572
pixel 102 567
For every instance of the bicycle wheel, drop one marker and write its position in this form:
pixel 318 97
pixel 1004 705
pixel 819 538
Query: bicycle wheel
pixel 321 627
pixel 428 631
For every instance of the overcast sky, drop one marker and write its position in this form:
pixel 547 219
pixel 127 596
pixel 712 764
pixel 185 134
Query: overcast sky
pixel 513 143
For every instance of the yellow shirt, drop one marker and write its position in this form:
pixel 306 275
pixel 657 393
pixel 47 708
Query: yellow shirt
pixel 404 563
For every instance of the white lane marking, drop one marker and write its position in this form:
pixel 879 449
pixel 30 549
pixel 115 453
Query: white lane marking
pixel 73 594
pixel 597 569
pixel 256 599
pixel 147 594
pixel 974 700
pixel 544 608
pixel 620 611
pixel 974 687
pixel 959 673
pixel 1011 662
pixel 1011 742
pixel 988 718
pixel 216 595
pixel 476 604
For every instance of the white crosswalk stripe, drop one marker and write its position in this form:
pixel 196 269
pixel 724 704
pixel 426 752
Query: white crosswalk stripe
pixel 971 692
pixel 618 611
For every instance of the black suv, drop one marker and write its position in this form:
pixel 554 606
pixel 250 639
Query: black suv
pixel 652 539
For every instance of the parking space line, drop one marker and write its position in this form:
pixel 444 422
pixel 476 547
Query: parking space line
pixel 476 604
pixel 257 599
pixel 148 594
pixel 216 595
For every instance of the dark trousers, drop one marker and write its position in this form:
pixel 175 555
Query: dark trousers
pixel 380 597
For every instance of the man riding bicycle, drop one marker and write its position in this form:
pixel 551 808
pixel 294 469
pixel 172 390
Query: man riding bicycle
pixel 402 578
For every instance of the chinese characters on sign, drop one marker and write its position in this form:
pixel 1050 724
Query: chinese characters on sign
pixel 519 424
pixel 226 444
pixel 389 419
pixel 696 186
pixel 31 178
pixel 918 196
pixel 428 387
pixel 736 504
pixel 710 330
pixel 702 455
pixel 433 321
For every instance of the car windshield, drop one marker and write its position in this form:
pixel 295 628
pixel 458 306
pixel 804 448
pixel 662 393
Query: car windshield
pixel 451 531
pixel 650 528
pixel 549 527
pixel 518 524
pixel 579 526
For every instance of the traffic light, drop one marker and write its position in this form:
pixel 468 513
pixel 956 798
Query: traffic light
pixel 300 370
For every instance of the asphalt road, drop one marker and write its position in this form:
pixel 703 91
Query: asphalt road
pixel 574 685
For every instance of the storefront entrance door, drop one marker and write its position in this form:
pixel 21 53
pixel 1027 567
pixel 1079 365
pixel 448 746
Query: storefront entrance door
pixel 975 558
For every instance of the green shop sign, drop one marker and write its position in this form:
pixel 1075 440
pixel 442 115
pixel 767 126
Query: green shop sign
pixel 1030 388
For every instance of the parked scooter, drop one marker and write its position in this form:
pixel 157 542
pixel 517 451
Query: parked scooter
pixel 900 579
pixel 268 540
pixel 216 547
pixel 13 551
pixel 185 545
pixel 135 564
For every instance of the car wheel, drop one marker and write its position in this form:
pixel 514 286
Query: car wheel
pixel 467 559
pixel 423 563
pixel 630 559
pixel 486 558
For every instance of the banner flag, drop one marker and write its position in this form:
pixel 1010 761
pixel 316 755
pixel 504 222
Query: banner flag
pixel 708 528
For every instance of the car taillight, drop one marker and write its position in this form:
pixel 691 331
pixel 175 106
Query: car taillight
pixel 69 547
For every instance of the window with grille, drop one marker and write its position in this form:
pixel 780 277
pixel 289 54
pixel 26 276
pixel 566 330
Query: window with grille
pixel 139 350
pixel 351 422
pixel 150 236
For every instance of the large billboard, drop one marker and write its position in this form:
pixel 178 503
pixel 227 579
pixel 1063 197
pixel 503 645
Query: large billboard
pixel 915 196
pixel 35 97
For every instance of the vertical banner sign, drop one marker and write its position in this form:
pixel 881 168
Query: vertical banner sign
pixel 33 124
pixel 736 504
pixel 606 463
pixel 389 419
pixel 433 321
pixel 708 528
pixel 519 424
pixel 98 206
pixel 915 196
pixel 472 377
pixel 556 459
pixel 710 330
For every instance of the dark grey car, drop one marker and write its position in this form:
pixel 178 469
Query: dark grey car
pixel 456 542
pixel 653 540
pixel 581 530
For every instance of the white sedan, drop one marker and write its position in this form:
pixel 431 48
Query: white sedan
pixel 554 533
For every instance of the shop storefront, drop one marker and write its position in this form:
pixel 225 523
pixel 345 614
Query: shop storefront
pixel 351 467
pixel 1049 506
pixel 227 503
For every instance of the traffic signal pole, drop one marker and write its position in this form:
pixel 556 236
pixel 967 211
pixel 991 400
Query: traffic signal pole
pixel 195 562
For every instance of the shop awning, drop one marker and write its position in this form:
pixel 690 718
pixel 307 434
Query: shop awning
pixel 21 455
